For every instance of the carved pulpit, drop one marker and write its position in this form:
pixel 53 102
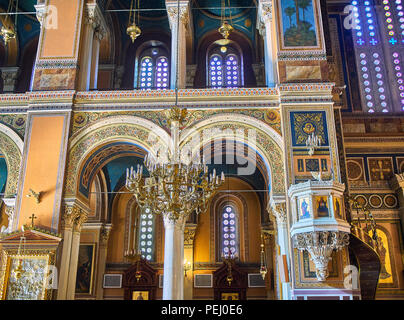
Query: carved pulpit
pixel 28 270
pixel 140 281
pixel 229 282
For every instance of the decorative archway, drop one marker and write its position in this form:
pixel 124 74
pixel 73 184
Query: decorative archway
pixel 267 144
pixel 11 146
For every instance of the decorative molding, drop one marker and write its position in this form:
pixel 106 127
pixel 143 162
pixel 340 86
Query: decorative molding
pixel 320 245
pixel 189 234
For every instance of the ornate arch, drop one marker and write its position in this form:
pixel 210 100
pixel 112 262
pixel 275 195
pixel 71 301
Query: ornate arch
pixel 268 142
pixel 125 129
pixel 11 146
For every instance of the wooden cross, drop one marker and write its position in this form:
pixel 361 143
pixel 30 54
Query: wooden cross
pixel 380 170
pixel 32 218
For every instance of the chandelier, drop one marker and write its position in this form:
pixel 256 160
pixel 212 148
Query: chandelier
pixel 19 271
pixel 173 188
pixel 7 31
pixel 133 30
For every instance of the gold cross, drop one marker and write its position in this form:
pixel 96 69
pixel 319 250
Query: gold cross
pixel 32 218
pixel 380 170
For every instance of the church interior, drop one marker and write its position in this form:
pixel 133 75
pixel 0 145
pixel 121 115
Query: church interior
pixel 201 150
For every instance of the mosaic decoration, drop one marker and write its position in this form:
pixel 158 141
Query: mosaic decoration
pixel 380 168
pixel 13 159
pixel 355 169
pixel 383 249
pixel 377 200
pixel 304 208
pixel 85 119
pixel 306 123
pixel 337 208
pixel 321 207
pixel 16 121
pixel 298 23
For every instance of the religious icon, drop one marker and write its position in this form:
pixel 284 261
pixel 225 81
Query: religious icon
pixel 322 208
pixel 312 165
pixel 304 208
pixel 337 208
pixel 230 296
pixel 85 269
pixel 384 253
pixel 140 295
pixel 324 166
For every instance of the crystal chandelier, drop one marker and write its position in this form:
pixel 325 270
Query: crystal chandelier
pixel 173 188
pixel 7 31
pixel 133 30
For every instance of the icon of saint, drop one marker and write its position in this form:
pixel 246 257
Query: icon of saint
pixel 322 209
pixel 304 210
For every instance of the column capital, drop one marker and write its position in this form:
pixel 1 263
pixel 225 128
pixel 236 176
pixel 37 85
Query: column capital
pixel 105 231
pixel 172 12
pixel 9 76
pixel 277 208
pixel 397 182
pixel 170 221
pixel 73 217
pixel 94 17
pixel 41 12
pixel 189 234
pixel 265 9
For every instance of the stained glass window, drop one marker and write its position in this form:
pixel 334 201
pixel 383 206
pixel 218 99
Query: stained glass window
pixel 153 70
pixel 146 234
pixel 379 43
pixel 224 68
pixel 229 238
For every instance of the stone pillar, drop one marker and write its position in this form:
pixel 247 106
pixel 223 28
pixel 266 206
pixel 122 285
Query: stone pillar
pixel 94 29
pixel 9 76
pixel 102 258
pixel 189 235
pixel 278 209
pixel 98 36
pixel 173 285
pixel 72 221
pixel 178 40
pixel 264 25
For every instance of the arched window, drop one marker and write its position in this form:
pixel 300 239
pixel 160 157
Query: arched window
pixel 229 232
pixel 153 70
pixel 224 67
pixel 146 234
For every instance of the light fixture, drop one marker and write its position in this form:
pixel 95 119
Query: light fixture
pixel 225 28
pixel 313 142
pixel 187 266
pixel 229 260
pixel 263 267
pixel 19 271
pixel 7 31
pixel 133 30
pixel 135 257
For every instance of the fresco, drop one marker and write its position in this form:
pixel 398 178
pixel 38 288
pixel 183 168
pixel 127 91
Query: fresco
pixel 298 23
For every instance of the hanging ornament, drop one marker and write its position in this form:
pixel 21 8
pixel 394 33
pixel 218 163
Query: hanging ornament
pixel 7 32
pixel 133 30
pixel 225 28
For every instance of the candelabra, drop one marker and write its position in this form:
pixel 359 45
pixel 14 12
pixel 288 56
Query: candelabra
pixel 187 267
pixel 135 257
pixel 313 142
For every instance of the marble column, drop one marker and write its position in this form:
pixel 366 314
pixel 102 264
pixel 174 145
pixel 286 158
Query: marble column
pixel 94 26
pixel 265 27
pixel 10 212
pixel 178 40
pixel 99 34
pixel 72 221
pixel 173 285
pixel 9 76
pixel 102 258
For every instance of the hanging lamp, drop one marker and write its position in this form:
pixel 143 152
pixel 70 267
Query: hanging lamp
pixel 133 30
pixel 225 28
pixel 7 31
